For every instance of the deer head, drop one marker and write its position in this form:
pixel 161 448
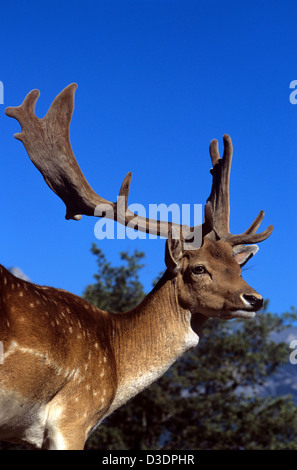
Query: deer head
pixel 209 279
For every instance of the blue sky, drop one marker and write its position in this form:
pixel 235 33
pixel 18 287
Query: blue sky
pixel 157 80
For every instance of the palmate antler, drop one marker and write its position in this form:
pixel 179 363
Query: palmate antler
pixel 48 145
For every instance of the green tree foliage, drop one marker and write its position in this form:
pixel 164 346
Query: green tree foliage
pixel 117 289
pixel 209 398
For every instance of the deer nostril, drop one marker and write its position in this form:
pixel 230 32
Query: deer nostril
pixel 254 302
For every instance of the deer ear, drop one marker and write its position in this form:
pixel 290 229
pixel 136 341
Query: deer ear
pixel 173 251
pixel 243 253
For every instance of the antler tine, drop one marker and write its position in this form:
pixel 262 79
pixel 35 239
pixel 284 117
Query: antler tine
pixel 125 187
pixel 27 108
pixel 214 153
pixel 256 223
pixel 250 235
pixel 244 238
pixel 217 207
pixel 48 145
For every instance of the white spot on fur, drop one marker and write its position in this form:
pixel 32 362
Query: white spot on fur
pixel 76 374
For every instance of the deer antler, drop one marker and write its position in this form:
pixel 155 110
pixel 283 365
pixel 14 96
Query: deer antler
pixel 217 209
pixel 48 145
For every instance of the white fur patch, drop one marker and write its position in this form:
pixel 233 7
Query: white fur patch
pixel 54 438
pixel 243 314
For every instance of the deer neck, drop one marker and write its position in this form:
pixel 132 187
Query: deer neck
pixel 148 339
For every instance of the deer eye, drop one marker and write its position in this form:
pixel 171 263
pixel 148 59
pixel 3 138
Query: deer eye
pixel 199 269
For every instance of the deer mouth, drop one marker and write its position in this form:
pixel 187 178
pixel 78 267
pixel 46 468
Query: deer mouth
pixel 245 314
pixel 252 303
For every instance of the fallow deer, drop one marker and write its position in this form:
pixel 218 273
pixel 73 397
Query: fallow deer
pixel 67 365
